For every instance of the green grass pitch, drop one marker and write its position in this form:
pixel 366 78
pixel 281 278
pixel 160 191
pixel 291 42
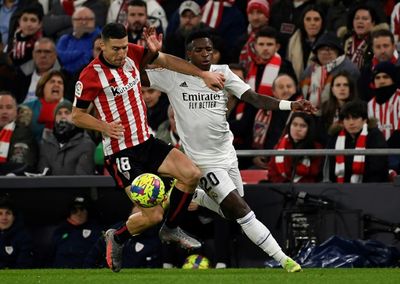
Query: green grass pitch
pixel 209 276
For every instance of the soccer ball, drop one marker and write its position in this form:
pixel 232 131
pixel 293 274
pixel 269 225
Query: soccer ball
pixel 147 190
pixel 196 261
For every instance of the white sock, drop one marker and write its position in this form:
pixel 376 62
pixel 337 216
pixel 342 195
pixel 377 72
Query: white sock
pixel 201 198
pixel 259 234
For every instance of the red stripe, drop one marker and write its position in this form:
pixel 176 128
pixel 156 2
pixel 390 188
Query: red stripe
pixel 121 230
pixel 180 205
pixel 117 178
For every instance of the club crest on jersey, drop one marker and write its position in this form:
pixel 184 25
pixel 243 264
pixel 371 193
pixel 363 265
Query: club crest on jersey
pixel 120 90
pixel 78 88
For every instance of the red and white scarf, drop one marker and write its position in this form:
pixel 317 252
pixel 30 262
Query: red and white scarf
pixel 5 138
pixel 319 76
pixel 23 46
pixel 358 160
pixel 356 49
pixel 122 17
pixel 270 73
pixel 387 114
pixel 394 59
pixel 212 11
pixel 395 21
pixel 302 168
pixel 261 125
pixel 248 52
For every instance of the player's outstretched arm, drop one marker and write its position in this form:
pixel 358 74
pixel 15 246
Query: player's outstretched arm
pixel 271 103
pixel 84 120
pixel 214 81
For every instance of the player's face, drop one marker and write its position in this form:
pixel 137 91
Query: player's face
pixel 341 88
pixel 353 125
pixel 298 129
pixel 29 24
pixel 6 218
pixel 8 110
pixel 266 47
pixel 202 53
pixel 115 50
pixel 137 18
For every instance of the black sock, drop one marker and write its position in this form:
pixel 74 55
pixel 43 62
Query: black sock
pixel 178 204
pixel 122 234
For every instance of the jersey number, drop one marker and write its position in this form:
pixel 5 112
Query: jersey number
pixel 123 164
pixel 209 181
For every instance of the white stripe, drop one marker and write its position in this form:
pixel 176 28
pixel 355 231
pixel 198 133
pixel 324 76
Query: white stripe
pixel 114 109
pixel 214 16
pixel 206 11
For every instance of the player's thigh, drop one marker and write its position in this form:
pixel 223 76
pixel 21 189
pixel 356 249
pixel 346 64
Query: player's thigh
pixel 179 166
pixel 216 183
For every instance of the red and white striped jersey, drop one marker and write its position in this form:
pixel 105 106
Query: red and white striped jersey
pixel 386 114
pixel 117 96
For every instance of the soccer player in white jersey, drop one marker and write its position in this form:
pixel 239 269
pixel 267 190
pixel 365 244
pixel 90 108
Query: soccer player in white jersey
pixel 112 82
pixel 200 115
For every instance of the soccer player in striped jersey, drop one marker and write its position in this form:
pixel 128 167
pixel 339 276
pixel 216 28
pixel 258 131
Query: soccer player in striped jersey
pixel 200 115
pixel 112 82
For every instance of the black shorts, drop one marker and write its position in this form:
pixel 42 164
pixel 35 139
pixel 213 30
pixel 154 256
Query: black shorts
pixel 129 163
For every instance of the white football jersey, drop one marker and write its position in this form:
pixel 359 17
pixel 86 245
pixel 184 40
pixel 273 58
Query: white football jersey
pixel 200 113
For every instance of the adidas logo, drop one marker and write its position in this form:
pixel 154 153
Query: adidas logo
pixel 183 84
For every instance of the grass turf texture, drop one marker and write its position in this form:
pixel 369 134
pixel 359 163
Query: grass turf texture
pixel 209 276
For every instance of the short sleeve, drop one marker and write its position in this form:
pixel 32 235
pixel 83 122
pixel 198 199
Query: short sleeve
pixel 87 87
pixel 234 85
pixel 161 79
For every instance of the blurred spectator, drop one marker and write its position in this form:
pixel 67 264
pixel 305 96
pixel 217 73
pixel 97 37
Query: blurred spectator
pixel 75 49
pixel 300 133
pixel 68 150
pixel 385 104
pixel 257 16
pixel 9 15
pixel 190 17
pixel 18 148
pixel 15 242
pixel 384 49
pixel 268 126
pixel 96 46
pixel 75 236
pixel 157 107
pixel 315 82
pixel 227 20
pixel 285 16
pixel 395 24
pixel 49 92
pixel 342 91
pixel 118 13
pixel 240 116
pixel 267 63
pixel 28 32
pixel 137 19
pixel 28 75
pixel 7 72
pixel 167 130
pixel 310 28
pixel 58 20
pixel 357 45
pixel 357 132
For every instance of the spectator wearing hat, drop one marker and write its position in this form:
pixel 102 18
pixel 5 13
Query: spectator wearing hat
pixel 384 49
pixel 258 17
pixel 315 81
pixel 75 236
pixel 15 241
pixel 190 19
pixel 18 147
pixel 385 105
pixel 68 150
pixel 356 132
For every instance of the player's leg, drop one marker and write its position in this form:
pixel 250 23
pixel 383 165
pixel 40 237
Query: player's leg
pixel 179 166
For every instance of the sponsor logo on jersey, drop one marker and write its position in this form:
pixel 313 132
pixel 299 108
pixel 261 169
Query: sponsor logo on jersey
pixel 86 233
pixel 184 84
pixel 117 91
pixel 200 97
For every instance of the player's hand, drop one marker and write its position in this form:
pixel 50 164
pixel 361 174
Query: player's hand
pixel 114 129
pixel 215 81
pixel 304 105
pixel 153 41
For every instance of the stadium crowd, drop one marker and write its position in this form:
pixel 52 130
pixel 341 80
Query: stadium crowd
pixel 341 55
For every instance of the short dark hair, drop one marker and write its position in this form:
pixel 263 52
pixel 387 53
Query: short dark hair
pixel 196 34
pixel 356 108
pixel 33 9
pixel 382 33
pixel 7 203
pixel 362 6
pixel 113 30
pixel 268 31
pixel 138 3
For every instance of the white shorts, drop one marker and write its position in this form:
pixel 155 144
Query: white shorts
pixel 219 182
